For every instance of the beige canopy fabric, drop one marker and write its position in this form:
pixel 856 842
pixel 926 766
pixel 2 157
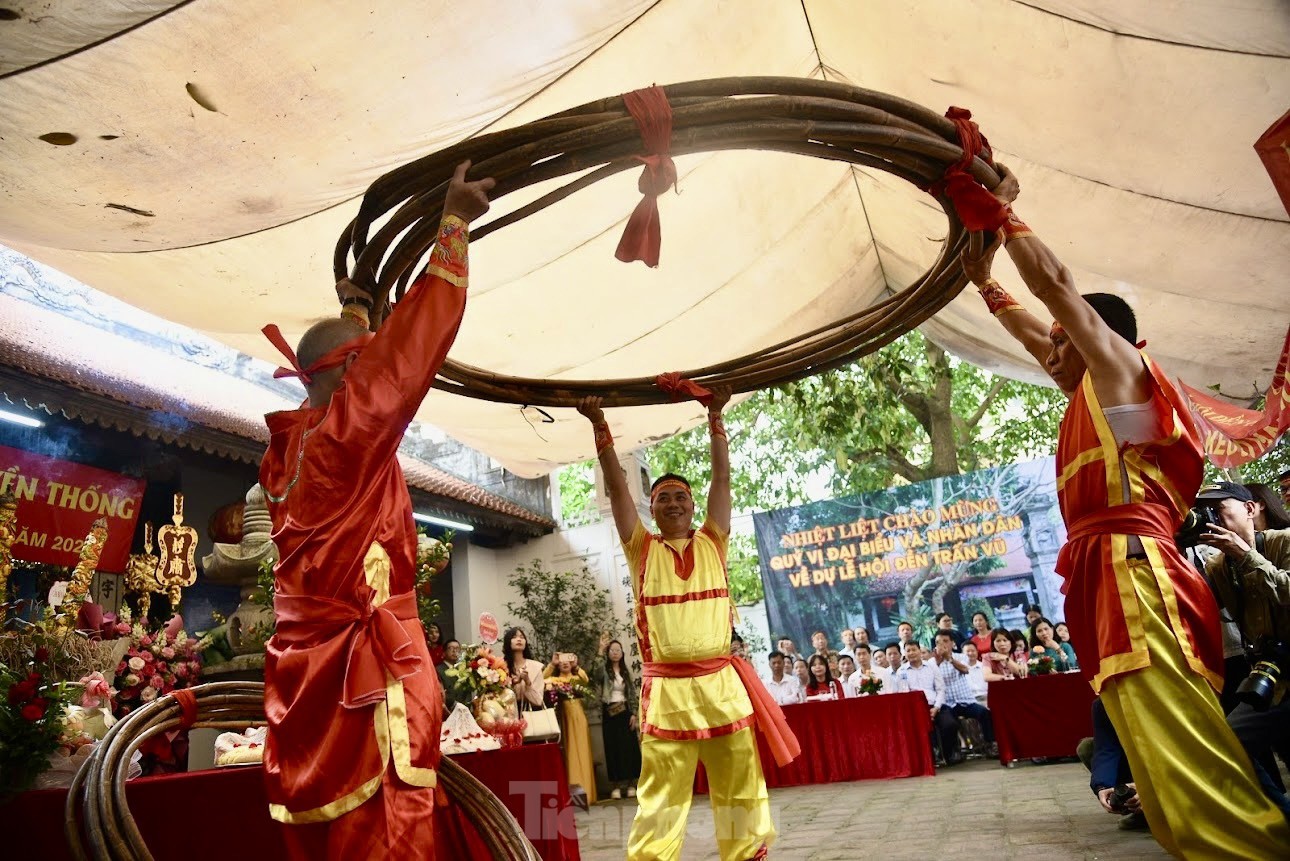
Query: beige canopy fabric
pixel 199 160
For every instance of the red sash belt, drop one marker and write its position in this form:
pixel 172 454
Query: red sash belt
pixel 1144 519
pixel 767 714
pixel 377 639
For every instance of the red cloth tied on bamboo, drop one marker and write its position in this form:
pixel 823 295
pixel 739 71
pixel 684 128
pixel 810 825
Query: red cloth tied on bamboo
pixel 187 705
pixel 643 235
pixel 767 714
pixel 677 387
pixel 977 208
pixel 331 359
pixel 378 640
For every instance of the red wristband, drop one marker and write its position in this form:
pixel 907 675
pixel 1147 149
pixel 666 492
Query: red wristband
pixel 604 439
pixel 1014 228
pixel 998 300
pixel 716 425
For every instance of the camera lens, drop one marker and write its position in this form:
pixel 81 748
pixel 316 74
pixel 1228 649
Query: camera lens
pixel 1257 688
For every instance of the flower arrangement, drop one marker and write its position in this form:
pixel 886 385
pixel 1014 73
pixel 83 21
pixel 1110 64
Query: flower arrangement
pixel 870 685
pixel 557 692
pixel 156 663
pixel 479 673
pixel 1041 665
pixel 43 719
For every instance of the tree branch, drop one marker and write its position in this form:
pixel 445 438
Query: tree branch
pixel 995 388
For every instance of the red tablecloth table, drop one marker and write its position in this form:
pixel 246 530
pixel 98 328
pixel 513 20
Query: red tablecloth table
pixel 862 738
pixel 222 814
pixel 1040 715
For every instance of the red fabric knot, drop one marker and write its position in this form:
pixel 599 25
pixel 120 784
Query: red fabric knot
pixel 378 639
pixel 188 705
pixel 679 388
pixel 643 236
pixel 331 359
pixel 977 208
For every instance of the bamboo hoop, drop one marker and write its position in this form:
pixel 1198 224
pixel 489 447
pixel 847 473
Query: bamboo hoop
pixel 98 791
pixel 819 119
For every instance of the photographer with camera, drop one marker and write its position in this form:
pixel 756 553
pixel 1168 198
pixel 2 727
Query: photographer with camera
pixel 1251 579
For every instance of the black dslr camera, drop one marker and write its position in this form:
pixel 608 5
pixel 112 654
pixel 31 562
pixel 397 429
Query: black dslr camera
pixel 1194 525
pixel 1268 656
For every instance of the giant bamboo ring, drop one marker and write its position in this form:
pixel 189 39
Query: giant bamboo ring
pixel 821 119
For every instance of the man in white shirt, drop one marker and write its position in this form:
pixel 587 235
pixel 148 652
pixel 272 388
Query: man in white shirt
pixel 848 643
pixel 785 689
pixel 914 675
pixel 867 669
pixel 976 672
pixel 846 671
pixel 959 699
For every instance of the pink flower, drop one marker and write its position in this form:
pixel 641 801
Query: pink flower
pixel 168 653
pixel 191 643
pixel 157 682
pixel 160 667
pixel 147 656
pixel 145 640
pixel 120 668
pixel 122 628
pixel 96 690
pixel 181 670
pixel 194 667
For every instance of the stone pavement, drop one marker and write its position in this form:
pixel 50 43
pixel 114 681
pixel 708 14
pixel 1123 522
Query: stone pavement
pixel 1049 815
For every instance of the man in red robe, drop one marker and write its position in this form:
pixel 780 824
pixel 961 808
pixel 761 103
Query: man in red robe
pixel 352 699
pixel 1129 464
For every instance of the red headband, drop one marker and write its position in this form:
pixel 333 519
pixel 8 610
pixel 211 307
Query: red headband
pixel 671 482
pixel 1058 330
pixel 331 359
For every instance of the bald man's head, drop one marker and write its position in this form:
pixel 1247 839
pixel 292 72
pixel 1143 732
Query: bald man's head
pixel 324 336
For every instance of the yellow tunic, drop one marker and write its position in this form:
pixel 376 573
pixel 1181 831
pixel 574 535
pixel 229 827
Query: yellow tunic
pixel 686 618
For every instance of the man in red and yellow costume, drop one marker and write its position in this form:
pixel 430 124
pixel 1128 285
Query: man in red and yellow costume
pixel 351 696
pixel 1144 622
pixel 698 704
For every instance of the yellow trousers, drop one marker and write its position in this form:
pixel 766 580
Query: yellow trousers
pixel 1196 783
pixel 740 803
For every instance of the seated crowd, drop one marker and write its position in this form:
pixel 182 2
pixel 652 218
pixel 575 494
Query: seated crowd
pixel 953 673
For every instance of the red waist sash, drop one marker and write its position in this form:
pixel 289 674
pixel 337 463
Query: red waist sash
pixel 766 712
pixel 378 640
pixel 1143 519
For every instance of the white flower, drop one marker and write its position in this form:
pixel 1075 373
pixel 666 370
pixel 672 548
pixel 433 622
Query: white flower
pixel 136 663
pixel 148 694
pixel 131 680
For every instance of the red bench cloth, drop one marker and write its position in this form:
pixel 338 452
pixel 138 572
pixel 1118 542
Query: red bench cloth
pixel 222 813
pixel 1040 715
pixel 863 738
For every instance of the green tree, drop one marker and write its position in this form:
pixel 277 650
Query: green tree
pixel 577 483
pixel 907 413
pixel 561 611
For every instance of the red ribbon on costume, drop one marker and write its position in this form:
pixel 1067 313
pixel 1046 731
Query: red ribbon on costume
pixel 977 208
pixel 767 714
pixel 678 388
pixel 643 236
pixel 331 359
pixel 188 705
pixel 378 640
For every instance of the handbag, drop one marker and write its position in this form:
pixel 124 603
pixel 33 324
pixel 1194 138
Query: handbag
pixel 615 709
pixel 540 724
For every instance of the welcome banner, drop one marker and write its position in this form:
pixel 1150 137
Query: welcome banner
pixel 58 502
pixel 983 540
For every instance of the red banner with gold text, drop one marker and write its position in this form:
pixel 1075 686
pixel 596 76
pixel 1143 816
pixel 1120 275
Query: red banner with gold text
pixel 59 500
pixel 1234 436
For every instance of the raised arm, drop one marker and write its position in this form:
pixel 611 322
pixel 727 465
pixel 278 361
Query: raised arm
pixel 719 490
pixel 1119 375
pixel 1023 326
pixel 620 498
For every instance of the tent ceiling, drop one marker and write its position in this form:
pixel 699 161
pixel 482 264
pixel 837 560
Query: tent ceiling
pixel 221 147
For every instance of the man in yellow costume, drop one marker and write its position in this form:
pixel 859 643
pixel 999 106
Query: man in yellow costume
pixel 698 704
pixel 1145 625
